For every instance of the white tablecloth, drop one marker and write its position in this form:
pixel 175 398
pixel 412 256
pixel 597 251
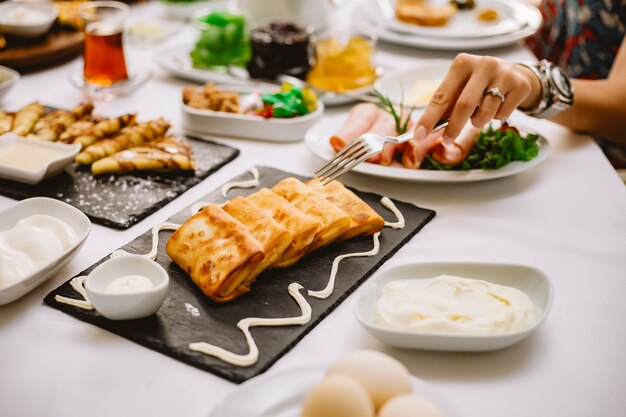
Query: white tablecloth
pixel 566 217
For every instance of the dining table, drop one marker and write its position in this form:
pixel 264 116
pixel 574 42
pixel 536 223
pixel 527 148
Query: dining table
pixel 566 217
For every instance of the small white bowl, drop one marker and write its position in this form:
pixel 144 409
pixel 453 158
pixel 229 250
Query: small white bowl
pixel 53 167
pixel 27 30
pixel 530 280
pixel 62 211
pixel 8 78
pixel 216 123
pixel 127 306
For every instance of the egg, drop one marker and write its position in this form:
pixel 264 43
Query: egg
pixel 338 395
pixel 410 406
pixel 382 376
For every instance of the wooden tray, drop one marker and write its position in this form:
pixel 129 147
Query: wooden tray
pixel 30 55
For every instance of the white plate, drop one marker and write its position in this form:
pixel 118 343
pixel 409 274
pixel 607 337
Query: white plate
pixel 280 395
pixel 450 44
pixel 215 123
pixel 54 166
pixel 530 280
pixel 403 83
pixel 514 16
pixel 8 78
pixel 317 140
pixel 62 211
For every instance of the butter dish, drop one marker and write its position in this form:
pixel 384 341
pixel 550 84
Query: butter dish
pixel 31 160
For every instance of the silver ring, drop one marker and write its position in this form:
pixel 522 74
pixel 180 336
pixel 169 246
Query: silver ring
pixel 495 91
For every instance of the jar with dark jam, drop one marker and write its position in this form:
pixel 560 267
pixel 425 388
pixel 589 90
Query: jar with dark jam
pixel 280 48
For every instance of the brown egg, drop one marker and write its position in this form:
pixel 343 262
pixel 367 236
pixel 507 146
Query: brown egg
pixel 410 406
pixel 382 376
pixel 338 396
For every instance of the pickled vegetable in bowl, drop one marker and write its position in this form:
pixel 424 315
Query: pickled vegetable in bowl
pixel 224 41
pixel 341 66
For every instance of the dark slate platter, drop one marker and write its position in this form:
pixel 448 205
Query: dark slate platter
pixel 120 201
pixel 177 323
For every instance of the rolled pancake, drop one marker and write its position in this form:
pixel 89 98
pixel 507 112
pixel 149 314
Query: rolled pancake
pixel 273 238
pixel 302 226
pixel 217 252
pixel 333 221
pixel 364 219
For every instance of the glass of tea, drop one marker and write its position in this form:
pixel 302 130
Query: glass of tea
pixel 103 50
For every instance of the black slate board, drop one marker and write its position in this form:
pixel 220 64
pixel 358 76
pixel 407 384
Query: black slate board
pixel 174 326
pixel 120 201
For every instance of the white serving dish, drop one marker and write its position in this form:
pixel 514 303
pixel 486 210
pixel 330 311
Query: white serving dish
pixel 8 78
pixel 30 30
pixel 280 394
pixel 54 167
pixel 183 11
pixel 62 211
pixel 222 124
pixel 127 306
pixel 400 84
pixel 317 140
pixel 530 280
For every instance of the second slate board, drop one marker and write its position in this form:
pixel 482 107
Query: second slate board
pixel 187 315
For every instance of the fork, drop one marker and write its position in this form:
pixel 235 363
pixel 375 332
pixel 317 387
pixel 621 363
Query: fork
pixel 366 146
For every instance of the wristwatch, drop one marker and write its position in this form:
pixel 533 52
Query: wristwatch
pixel 557 93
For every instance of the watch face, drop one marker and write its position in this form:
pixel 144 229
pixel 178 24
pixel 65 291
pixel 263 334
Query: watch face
pixel 561 82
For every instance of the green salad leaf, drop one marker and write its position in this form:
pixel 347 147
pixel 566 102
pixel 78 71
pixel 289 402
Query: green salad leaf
pixel 493 149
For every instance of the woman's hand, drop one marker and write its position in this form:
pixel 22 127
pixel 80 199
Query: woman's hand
pixel 461 96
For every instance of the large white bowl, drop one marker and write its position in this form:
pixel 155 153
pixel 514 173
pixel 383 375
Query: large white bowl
pixel 8 78
pixel 127 306
pixel 530 280
pixel 62 211
pixel 28 30
pixel 222 124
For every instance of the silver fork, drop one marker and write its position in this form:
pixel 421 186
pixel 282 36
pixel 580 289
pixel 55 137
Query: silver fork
pixel 366 146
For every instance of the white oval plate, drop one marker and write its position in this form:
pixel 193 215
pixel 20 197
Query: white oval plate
pixel 53 167
pixel 405 84
pixel 317 140
pixel 280 395
pixel 8 78
pixel 530 280
pixel 11 291
pixel 215 123
pixel 514 16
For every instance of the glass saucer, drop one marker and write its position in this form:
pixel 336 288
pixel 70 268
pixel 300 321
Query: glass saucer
pixel 107 93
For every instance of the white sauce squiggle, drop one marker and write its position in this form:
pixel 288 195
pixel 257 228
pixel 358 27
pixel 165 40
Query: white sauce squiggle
pixel 399 224
pixel 155 241
pixel 242 184
pixel 244 325
pixel 78 285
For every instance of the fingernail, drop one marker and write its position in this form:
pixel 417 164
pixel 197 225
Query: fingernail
pixel 447 140
pixel 420 133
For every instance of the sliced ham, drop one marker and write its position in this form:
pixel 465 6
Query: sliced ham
pixel 415 152
pixel 457 151
pixel 384 125
pixel 360 119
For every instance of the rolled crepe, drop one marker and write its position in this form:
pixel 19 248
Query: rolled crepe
pixel 26 118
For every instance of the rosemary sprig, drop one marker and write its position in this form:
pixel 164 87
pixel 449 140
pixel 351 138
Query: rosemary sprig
pixel 402 125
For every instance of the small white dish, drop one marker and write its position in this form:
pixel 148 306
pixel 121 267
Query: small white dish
pixel 127 306
pixel 8 78
pixel 26 29
pixel 61 155
pixel 62 211
pixel 415 84
pixel 215 123
pixel 527 279
pixel 136 80
pixel 317 140
pixel 280 394
pixel 183 10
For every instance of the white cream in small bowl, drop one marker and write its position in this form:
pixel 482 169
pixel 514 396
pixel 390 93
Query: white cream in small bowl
pixel 26 19
pixel 128 287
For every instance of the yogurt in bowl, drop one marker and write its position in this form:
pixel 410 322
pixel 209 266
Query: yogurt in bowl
pixel 127 287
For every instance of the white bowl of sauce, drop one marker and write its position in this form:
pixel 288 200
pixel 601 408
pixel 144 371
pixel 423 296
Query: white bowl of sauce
pixel 26 20
pixel 38 237
pixel 31 160
pixel 127 287
pixel 455 306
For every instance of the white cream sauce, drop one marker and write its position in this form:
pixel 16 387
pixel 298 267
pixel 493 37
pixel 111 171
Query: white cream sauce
pixel 244 325
pixel 29 157
pixel 33 243
pixel 78 284
pixel 155 241
pixel 242 184
pixel 129 284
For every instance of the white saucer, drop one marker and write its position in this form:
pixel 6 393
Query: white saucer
pixel 530 280
pixel 135 81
